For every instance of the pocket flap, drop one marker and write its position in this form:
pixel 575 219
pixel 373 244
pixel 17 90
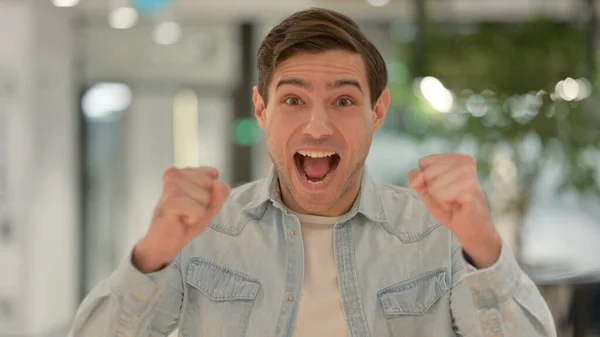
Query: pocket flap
pixel 414 296
pixel 220 283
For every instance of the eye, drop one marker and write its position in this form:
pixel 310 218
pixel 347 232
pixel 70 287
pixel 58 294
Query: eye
pixel 293 101
pixel 344 102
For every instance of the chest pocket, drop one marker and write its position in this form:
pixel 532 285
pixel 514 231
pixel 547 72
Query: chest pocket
pixel 219 300
pixel 415 307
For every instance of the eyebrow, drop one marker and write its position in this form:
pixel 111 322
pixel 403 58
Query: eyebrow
pixel 331 85
pixel 294 82
pixel 342 83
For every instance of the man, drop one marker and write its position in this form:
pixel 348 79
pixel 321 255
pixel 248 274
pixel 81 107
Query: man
pixel 317 248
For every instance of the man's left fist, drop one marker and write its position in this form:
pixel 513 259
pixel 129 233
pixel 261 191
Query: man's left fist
pixel 449 187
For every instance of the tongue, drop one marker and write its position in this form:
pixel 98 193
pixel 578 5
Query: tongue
pixel 316 168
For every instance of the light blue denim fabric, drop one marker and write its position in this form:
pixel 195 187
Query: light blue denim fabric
pixel 400 274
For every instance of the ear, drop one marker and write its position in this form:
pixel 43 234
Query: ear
pixel 260 110
pixel 381 108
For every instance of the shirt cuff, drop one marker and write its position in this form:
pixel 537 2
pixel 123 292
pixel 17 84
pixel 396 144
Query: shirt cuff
pixel 493 285
pixel 128 280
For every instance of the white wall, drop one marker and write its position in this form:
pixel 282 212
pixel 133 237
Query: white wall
pixel 16 50
pixel 36 53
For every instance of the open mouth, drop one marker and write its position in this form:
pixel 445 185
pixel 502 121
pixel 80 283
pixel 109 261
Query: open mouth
pixel 315 166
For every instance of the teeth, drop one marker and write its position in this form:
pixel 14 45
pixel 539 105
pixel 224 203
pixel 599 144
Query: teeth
pixel 316 154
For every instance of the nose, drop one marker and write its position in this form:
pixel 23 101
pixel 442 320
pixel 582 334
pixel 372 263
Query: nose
pixel 318 125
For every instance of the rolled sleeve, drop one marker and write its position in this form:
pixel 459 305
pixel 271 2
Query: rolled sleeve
pixel 496 283
pixel 127 279
pixel 504 299
pixel 130 302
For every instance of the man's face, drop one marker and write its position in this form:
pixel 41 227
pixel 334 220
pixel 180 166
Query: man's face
pixel 319 123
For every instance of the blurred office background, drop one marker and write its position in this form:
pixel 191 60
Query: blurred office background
pixel 98 97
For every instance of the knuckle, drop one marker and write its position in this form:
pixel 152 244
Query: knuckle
pixel 208 168
pixel 413 175
pixel 435 189
pixel 159 212
pixel 172 194
pixel 428 175
pixel 445 195
pixel 193 215
pixel 197 212
pixel 202 200
pixel 469 159
pixel 170 173
pixel 210 171
pixel 468 170
pixel 169 182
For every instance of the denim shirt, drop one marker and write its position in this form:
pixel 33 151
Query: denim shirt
pixel 400 274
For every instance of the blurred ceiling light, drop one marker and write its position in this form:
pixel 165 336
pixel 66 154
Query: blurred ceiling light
pixel 378 3
pixel 438 96
pixel 105 100
pixel 123 18
pixel 65 3
pixel 167 32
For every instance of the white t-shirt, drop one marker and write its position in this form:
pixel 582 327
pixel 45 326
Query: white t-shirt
pixel 320 310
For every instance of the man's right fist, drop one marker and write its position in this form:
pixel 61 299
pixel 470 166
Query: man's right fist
pixel 190 198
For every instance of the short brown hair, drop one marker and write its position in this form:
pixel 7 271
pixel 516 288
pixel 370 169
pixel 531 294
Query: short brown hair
pixel 318 30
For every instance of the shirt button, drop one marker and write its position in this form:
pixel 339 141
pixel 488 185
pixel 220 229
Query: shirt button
pixel 291 299
pixel 293 233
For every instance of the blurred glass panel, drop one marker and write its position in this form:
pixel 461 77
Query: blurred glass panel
pixel 103 106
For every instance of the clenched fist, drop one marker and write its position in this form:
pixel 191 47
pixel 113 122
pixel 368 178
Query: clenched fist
pixel 451 192
pixel 190 198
